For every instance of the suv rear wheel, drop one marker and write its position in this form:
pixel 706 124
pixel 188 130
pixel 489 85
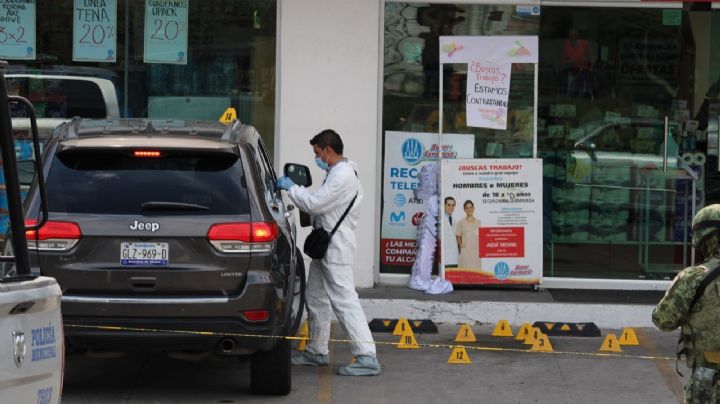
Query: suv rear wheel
pixel 270 370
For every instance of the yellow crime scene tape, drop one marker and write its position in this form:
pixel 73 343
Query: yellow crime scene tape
pixel 347 341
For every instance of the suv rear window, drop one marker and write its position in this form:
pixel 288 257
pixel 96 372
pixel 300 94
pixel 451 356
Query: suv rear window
pixel 57 98
pixel 178 183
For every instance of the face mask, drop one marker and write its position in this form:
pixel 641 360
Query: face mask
pixel 323 165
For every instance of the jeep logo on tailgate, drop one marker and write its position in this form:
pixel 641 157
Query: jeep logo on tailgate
pixel 152 226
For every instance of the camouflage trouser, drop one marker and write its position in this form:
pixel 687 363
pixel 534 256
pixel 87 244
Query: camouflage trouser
pixel 690 398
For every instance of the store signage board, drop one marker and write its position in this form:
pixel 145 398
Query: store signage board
pixel 405 154
pixel 488 88
pixel 166 31
pixel 95 31
pixel 489 60
pixel 502 243
pixel 17 37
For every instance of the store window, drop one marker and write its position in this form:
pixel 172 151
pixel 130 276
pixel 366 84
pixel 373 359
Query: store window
pixel 230 61
pixel 622 130
pixel 411 91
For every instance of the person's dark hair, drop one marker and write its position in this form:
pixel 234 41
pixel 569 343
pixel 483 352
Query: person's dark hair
pixel 328 137
pixel 449 198
pixel 468 202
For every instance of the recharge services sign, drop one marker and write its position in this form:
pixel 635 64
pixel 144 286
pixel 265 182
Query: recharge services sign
pixel 405 154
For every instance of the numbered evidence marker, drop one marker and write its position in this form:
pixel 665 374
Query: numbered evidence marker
pixel 465 334
pixel 228 116
pixel 610 344
pixel 533 334
pixel 407 341
pixel 402 327
pixel 542 344
pixel 502 329
pixel 459 355
pixel 523 332
pixel 628 337
pixel 303 333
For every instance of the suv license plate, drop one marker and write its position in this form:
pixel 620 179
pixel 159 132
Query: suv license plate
pixel 144 254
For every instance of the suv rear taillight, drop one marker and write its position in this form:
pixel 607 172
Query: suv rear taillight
pixel 53 236
pixel 243 237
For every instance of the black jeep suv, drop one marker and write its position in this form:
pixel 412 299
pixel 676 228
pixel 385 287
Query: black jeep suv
pixel 170 235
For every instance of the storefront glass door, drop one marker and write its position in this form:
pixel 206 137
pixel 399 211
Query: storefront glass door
pixel 622 136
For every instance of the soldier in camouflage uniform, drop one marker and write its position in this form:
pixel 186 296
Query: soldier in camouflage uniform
pixel 700 324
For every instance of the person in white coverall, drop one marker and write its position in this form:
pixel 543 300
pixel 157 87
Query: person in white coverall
pixel 330 283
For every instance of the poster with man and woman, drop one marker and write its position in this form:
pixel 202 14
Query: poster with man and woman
pixel 491 228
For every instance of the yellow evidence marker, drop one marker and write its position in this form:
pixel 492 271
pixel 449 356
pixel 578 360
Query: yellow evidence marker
pixel 407 341
pixel 610 344
pixel 465 334
pixel 533 334
pixel 402 327
pixel 628 337
pixel 565 327
pixel 502 329
pixel 523 332
pixel 542 344
pixel 303 333
pixel 228 116
pixel 459 355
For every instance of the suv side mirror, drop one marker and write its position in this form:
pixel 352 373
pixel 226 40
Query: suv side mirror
pixel 298 173
pixel 26 172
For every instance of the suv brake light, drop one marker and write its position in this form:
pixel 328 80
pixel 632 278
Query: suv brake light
pixel 53 236
pixel 243 237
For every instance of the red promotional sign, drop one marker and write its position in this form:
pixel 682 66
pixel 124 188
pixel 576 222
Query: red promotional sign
pixel 502 242
pixel 395 251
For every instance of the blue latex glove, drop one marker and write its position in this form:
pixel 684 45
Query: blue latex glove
pixel 284 183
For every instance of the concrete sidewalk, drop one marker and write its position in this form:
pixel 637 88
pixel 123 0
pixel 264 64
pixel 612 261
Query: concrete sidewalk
pixel 606 308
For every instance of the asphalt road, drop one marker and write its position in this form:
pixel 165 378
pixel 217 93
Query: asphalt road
pixel 573 374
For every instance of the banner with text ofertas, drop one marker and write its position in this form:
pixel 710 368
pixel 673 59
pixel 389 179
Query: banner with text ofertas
pixel 94 31
pixel 497 221
pixel 405 154
pixel 166 31
pixel 17 36
pixel 489 60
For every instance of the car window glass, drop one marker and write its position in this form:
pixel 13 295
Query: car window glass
pixel 269 173
pixel 262 171
pixel 57 98
pixel 118 183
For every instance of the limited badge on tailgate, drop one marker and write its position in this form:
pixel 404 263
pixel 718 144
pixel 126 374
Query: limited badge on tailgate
pixel 144 254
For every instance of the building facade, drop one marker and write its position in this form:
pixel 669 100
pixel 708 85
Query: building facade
pixel 625 117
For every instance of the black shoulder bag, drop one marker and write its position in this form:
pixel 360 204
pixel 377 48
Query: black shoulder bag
pixel 317 242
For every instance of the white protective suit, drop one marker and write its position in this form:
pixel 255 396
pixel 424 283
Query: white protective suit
pixel 330 283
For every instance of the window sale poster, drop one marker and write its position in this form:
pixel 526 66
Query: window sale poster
pixel 94 31
pixel 405 155
pixel 496 223
pixel 17 30
pixel 166 31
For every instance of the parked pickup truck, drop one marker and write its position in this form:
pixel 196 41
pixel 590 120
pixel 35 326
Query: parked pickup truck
pixel 31 329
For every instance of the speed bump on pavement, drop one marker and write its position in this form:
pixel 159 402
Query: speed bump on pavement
pixel 553 328
pixel 424 326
